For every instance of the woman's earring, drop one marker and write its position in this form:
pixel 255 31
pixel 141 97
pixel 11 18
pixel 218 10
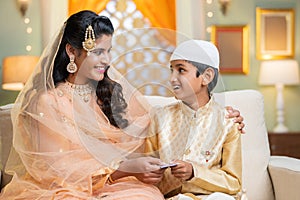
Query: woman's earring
pixel 72 67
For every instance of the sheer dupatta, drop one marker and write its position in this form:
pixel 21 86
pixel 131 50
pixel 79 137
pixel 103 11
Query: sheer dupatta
pixel 63 142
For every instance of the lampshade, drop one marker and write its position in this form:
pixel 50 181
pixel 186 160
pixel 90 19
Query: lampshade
pixel 279 72
pixel 16 70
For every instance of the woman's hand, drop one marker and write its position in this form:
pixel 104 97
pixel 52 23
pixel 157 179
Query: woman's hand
pixel 145 169
pixel 140 165
pixel 238 118
pixel 183 170
pixel 153 177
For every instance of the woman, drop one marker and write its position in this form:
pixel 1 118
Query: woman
pixel 72 123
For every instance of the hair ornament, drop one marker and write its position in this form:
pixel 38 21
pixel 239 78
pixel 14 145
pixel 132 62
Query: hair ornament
pixel 89 43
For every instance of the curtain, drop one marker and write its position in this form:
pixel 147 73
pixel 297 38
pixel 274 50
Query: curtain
pixel 94 5
pixel 161 13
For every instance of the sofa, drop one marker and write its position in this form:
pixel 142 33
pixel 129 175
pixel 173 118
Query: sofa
pixel 265 177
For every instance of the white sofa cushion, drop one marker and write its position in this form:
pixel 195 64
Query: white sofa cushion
pixel 285 174
pixel 255 144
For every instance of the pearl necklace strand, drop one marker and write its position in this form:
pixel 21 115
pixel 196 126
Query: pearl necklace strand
pixel 84 91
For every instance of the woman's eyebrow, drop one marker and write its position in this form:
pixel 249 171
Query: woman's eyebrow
pixel 99 49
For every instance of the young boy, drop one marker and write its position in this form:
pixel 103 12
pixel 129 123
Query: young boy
pixel 194 133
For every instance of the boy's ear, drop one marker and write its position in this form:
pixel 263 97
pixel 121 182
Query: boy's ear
pixel 208 76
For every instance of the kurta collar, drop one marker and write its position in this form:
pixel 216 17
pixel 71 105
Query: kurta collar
pixel 201 111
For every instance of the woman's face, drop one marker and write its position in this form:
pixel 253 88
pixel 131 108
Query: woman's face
pixel 94 65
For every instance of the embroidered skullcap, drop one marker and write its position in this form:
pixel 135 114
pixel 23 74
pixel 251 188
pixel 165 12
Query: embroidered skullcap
pixel 197 51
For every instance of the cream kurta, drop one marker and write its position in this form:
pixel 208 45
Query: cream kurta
pixel 206 139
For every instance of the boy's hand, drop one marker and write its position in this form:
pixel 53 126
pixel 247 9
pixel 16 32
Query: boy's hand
pixel 238 118
pixel 183 170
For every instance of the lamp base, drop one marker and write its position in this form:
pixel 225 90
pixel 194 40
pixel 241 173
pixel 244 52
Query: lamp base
pixel 280 128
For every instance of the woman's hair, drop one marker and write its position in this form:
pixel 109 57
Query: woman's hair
pixel 109 93
pixel 200 69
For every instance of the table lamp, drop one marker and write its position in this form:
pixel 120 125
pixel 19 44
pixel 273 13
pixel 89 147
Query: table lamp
pixel 16 70
pixel 279 73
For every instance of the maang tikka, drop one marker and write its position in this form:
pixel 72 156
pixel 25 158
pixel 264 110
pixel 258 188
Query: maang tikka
pixel 89 40
pixel 72 67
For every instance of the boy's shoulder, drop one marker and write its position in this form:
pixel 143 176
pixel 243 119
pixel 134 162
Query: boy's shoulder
pixel 162 115
pixel 164 110
pixel 168 107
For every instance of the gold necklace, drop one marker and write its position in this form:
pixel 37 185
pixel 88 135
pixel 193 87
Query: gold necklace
pixel 84 91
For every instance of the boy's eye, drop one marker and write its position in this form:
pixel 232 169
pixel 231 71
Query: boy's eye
pixel 181 70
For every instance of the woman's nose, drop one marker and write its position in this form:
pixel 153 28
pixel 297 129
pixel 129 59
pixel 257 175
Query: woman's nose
pixel 105 58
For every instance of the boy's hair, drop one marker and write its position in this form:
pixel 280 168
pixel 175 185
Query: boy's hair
pixel 200 69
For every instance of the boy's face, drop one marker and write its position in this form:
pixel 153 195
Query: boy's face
pixel 185 84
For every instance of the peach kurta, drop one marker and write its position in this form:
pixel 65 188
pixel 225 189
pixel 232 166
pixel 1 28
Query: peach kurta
pixel 68 149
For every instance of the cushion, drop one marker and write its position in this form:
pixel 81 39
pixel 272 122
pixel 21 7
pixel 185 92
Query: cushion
pixel 255 145
pixel 285 174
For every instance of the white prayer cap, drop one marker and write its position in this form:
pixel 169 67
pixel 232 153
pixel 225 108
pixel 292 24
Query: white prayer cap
pixel 199 51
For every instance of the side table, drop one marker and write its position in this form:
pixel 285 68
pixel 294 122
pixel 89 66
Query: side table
pixel 285 144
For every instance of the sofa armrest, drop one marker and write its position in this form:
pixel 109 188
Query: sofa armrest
pixel 285 175
pixel 6 135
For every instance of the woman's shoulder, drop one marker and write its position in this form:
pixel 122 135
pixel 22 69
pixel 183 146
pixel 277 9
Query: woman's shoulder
pixel 50 97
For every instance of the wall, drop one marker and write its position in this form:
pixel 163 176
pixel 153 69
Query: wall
pixel 13 40
pixel 243 12
pixel 14 37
